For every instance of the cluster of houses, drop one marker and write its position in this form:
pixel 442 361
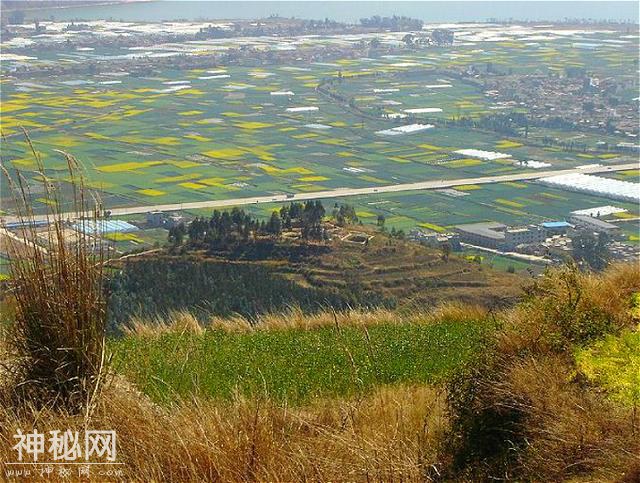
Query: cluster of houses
pixel 534 239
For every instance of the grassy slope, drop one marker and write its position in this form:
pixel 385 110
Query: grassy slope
pixel 295 364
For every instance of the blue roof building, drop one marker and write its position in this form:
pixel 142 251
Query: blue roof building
pixel 556 225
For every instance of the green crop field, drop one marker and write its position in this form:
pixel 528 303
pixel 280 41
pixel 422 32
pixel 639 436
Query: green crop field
pixel 295 364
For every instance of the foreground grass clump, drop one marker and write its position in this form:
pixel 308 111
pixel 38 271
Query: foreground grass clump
pixel 527 411
pixel 386 435
pixel 55 343
pixel 295 364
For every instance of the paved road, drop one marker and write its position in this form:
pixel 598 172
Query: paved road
pixel 342 192
pixel 516 255
pixel 9 241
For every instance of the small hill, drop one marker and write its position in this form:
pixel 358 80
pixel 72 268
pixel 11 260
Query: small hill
pixel 270 275
pixel 409 272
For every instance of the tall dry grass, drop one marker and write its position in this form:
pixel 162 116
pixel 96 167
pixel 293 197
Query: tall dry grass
pixel 569 429
pixel 55 343
pixel 526 413
pixel 388 435
pixel 296 318
pixel 568 307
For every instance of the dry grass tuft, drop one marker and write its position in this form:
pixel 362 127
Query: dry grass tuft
pixel 526 413
pixel 569 431
pixel 55 343
pixel 296 318
pixel 568 307
pixel 457 312
pixel 176 322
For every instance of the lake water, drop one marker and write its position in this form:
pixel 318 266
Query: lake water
pixel 463 11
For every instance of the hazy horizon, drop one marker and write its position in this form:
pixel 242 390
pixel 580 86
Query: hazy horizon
pixel 349 11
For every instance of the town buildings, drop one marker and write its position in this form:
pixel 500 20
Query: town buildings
pixel 499 236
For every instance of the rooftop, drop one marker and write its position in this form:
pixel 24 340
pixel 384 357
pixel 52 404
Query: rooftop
pixel 556 224
pixel 595 222
pixel 93 227
pixel 489 230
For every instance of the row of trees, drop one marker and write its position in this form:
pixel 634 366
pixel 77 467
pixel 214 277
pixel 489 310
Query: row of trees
pixel 516 124
pixel 227 228
pixel 394 23
pixel 308 217
pixel 259 29
pixel 345 215
pixel 223 229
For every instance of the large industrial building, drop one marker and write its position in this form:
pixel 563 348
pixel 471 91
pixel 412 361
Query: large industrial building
pixel 594 224
pixel 552 228
pixel 499 236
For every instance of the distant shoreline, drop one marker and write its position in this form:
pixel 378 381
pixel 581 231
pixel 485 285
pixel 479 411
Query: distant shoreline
pixel 105 3
pixel 344 11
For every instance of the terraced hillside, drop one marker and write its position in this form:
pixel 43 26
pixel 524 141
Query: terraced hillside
pixel 269 276
pixel 402 270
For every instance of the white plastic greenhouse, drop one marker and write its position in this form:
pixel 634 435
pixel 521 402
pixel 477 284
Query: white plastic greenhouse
pixel 596 185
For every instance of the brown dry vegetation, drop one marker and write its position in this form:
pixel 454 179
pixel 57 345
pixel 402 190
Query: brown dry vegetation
pixel 384 436
pixel 408 271
pixel 54 352
pixel 527 413
pixel 296 318
pixel 523 415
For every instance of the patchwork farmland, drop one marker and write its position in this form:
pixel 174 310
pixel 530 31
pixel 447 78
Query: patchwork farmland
pixel 183 136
